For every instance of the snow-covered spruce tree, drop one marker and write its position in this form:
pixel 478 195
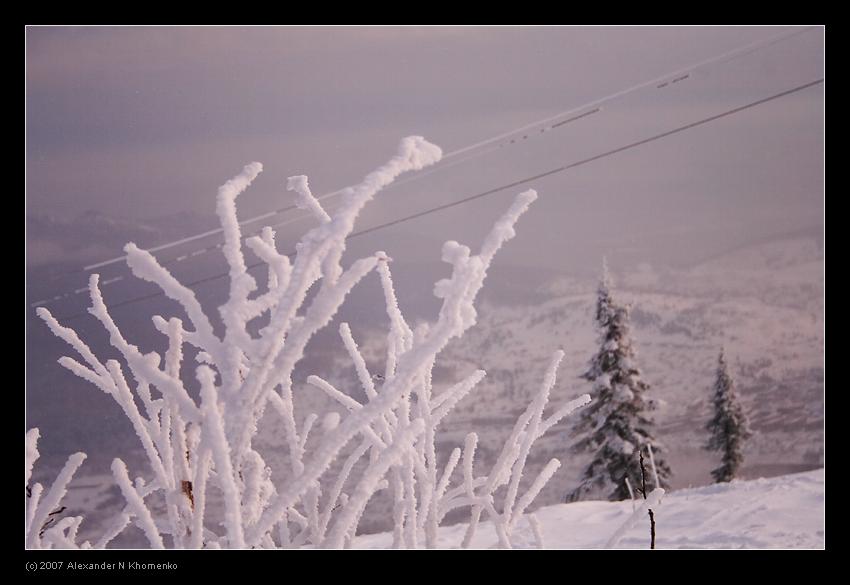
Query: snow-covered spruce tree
pixel 729 426
pixel 616 424
pixel 193 444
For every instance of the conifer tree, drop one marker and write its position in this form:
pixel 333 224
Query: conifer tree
pixel 615 426
pixel 729 426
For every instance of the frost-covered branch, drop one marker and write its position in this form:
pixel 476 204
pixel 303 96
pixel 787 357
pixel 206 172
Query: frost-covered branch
pixel 136 504
pixel 40 506
pixel 510 463
pixel 194 444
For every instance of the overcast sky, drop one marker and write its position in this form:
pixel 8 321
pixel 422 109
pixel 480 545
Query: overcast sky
pixel 140 123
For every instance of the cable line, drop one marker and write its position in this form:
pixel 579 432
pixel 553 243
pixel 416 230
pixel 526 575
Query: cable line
pixel 478 148
pixel 523 181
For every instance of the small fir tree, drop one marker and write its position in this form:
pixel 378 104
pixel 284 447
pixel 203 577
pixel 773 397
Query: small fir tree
pixel 729 426
pixel 615 426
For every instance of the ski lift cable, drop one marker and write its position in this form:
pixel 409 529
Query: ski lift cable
pixel 572 165
pixel 480 148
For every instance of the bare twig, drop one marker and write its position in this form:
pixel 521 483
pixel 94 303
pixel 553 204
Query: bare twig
pixel 651 514
pixel 651 529
pixel 651 500
pixel 51 521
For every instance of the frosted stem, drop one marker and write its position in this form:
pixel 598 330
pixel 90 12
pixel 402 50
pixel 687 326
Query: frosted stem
pixel 137 505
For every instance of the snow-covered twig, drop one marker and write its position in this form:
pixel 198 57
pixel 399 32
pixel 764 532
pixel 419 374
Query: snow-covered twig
pixel 41 506
pixel 136 504
pixel 192 444
pixel 652 465
pixel 537 530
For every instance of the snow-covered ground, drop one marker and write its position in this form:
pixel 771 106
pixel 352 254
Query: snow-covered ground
pixel 785 512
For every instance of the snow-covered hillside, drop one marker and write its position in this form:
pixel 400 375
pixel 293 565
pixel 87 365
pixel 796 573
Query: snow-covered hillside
pixel 780 512
pixel 764 303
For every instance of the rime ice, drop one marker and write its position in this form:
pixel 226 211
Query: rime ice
pixel 193 445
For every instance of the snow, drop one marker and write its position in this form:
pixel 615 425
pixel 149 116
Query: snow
pixel 785 512
pixel 331 421
pixel 30 452
pixel 650 502
pixel 305 199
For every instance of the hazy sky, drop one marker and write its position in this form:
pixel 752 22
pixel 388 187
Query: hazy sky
pixel 144 122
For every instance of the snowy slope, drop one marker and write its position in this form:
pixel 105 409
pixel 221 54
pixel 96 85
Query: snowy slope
pixel 763 302
pixel 785 512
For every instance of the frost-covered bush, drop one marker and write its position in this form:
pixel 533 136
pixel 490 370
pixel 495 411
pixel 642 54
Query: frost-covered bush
pixel 195 444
